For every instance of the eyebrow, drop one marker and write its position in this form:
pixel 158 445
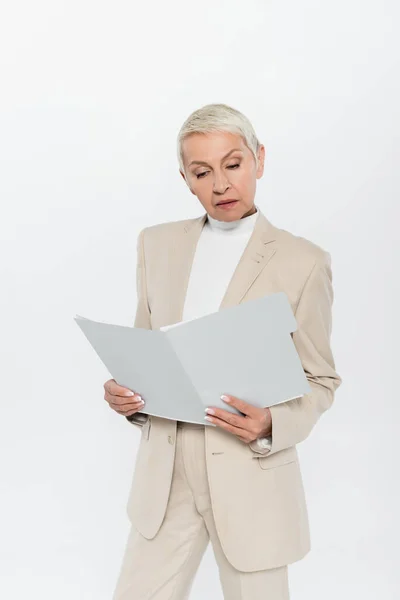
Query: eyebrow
pixel 201 162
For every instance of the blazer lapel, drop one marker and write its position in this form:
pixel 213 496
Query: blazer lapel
pixel 258 252
pixel 183 251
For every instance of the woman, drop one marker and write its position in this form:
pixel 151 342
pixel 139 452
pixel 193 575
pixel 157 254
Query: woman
pixel 238 482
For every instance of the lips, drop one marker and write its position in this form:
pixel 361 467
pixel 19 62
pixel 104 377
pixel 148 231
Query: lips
pixel 226 201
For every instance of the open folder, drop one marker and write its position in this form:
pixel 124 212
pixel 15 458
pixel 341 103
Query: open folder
pixel 244 350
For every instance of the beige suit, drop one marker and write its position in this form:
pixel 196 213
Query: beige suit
pixel 258 502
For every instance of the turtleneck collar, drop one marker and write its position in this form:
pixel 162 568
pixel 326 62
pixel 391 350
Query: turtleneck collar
pixel 238 226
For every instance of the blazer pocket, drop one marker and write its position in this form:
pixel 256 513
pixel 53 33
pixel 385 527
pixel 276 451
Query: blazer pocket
pixel 285 457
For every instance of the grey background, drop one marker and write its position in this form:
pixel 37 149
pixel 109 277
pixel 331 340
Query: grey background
pixel 92 97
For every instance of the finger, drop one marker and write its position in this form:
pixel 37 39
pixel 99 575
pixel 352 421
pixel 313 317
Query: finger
pixel 238 431
pixel 124 401
pixel 244 407
pixel 113 388
pixel 244 440
pixel 231 418
pixel 125 407
pixel 115 402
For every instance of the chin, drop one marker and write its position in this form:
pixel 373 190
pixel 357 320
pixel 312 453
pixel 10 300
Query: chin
pixel 233 214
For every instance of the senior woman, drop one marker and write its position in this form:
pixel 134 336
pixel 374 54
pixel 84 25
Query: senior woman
pixel 236 480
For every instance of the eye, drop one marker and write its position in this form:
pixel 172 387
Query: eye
pixel 200 175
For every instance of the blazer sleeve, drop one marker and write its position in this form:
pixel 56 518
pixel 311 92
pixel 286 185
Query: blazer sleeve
pixel 142 318
pixel 293 421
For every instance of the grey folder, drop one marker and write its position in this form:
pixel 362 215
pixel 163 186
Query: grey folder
pixel 244 350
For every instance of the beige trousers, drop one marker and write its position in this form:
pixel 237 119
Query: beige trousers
pixel 164 567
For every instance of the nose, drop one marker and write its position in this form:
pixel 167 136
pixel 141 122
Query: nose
pixel 221 183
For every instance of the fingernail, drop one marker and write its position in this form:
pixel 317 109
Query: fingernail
pixel 225 398
pixel 208 418
pixel 129 393
pixel 210 411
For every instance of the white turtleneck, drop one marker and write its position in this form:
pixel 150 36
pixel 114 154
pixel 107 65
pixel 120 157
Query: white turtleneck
pixel 218 251
pixel 219 248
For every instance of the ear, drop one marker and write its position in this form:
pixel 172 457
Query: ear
pixel 261 160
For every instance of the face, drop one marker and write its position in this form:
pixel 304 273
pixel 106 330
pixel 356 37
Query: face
pixel 219 167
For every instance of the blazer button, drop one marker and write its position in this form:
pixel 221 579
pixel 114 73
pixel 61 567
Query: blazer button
pixel 171 441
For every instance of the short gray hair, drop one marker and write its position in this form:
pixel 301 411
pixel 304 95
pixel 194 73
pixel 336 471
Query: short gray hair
pixel 218 117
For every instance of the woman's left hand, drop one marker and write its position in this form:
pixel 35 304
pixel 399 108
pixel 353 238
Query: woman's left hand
pixel 255 423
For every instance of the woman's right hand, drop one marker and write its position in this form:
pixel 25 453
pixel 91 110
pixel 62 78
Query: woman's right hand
pixel 122 399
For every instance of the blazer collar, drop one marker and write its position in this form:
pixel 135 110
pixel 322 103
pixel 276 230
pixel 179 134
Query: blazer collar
pixel 258 252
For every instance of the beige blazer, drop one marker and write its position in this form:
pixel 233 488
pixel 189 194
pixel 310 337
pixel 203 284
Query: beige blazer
pixel 258 501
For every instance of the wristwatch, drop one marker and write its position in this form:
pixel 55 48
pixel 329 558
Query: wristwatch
pixel 264 442
pixel 261 445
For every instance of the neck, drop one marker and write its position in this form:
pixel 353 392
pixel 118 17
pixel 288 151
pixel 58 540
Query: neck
pixel 245 223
